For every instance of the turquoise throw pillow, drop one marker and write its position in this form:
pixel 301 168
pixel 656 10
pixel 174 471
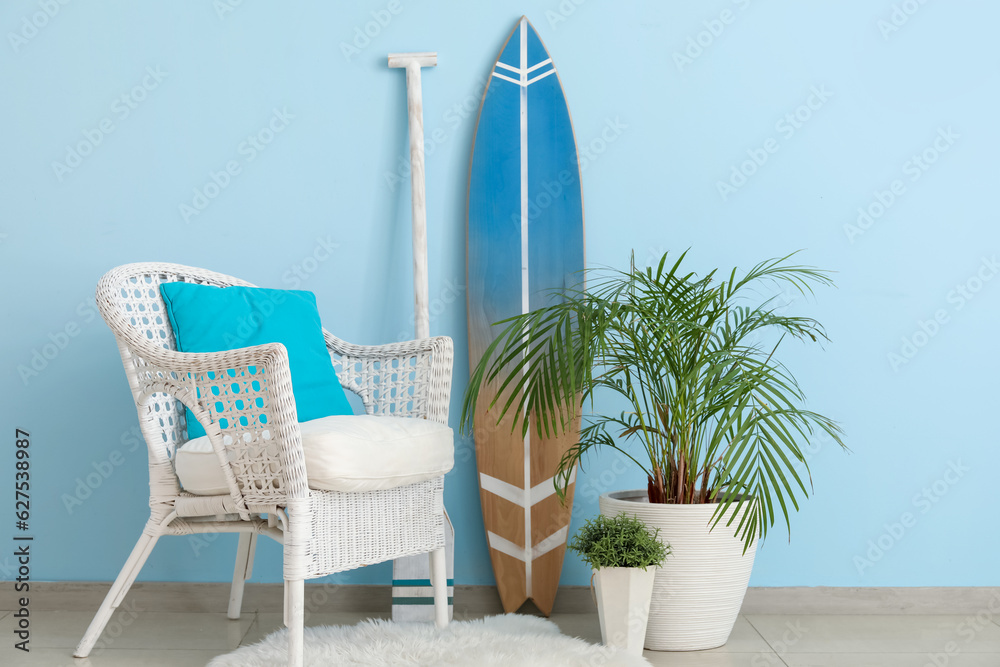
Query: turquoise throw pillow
pixel 214 319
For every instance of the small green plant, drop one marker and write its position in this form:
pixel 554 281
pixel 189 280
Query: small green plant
pixel 620 541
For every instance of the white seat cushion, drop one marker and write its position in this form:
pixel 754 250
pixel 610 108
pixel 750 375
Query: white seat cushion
pixel 343 453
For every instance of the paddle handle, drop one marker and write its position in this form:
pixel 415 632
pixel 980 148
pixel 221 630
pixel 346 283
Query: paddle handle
pixel 415 110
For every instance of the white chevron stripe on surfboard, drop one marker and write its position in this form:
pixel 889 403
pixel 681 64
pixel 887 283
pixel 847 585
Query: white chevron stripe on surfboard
pixel 515 70
pixel 516 494
pixel 520 70
pixel 523 71
pixel 541 64
pixel 539 77
pixel 527 82
pixel 526 555
pixel 506 78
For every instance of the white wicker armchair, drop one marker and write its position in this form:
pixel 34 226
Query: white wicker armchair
pixel 322 531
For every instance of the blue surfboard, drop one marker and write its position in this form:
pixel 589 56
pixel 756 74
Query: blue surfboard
pixel 525 239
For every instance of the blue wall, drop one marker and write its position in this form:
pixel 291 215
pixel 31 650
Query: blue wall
pixel 668 100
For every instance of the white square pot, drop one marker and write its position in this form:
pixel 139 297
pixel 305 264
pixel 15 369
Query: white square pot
pixel 623 595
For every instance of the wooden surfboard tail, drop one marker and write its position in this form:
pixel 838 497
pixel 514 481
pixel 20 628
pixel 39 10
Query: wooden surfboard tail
pixel 527 525
pixel 528 574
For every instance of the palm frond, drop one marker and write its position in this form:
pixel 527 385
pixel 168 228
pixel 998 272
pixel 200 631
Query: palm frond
pixel 712 410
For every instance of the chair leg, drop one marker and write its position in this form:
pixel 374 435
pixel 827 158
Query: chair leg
pixel 295 595
pixel 117 593
pixel 241 572
pixel 439 580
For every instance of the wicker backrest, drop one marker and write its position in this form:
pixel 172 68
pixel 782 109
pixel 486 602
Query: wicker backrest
pixel 130 302
pixel 134 291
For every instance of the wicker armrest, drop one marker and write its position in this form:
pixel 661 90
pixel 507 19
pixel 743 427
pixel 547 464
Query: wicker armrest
pixel 407 379
pixel 246 406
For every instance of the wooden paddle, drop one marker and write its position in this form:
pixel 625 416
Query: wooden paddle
pixel 411 576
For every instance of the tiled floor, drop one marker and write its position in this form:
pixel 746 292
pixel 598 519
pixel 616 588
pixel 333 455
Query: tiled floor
pixel 146 638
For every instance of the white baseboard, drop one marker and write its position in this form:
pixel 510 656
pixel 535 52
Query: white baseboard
pixel 478 600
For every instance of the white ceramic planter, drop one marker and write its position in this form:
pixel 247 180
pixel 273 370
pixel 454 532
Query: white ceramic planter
pixel 698 592
pixel 623 595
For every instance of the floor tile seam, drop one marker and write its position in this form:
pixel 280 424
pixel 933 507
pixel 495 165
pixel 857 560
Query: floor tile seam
pixel 246 632
pixel 764 639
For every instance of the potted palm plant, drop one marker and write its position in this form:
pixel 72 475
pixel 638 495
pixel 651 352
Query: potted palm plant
pixel 714 418
pixel 624 556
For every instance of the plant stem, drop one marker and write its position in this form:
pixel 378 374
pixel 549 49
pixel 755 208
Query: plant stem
pixel 704 485
pixel 656 491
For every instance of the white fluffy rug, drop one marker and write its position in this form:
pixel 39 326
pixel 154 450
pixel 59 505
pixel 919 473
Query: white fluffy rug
pixel 511 640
